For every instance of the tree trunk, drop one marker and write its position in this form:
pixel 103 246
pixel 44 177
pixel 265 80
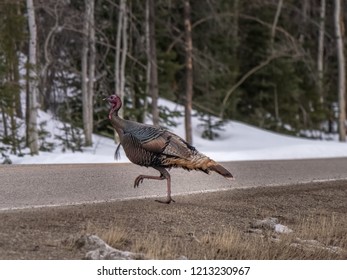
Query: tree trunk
pixel 4 121
pixel 84 79
pixel 148 70
pixel 120 57
pixel 87 114
pixel 338 22
pixel 16 78
pixel 91 74
pixel 274 25
pixel 124 47
pixel 306 8
pixel 189 72
pixel 235 28
pixel 320 55
pixel 45 85
pixel 121 48
pixel 27 101
pixel 152 61
pixel 32 131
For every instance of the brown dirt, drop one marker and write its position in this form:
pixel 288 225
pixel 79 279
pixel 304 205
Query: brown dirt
pixel 50 233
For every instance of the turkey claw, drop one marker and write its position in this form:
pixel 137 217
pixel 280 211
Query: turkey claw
pixel 138 181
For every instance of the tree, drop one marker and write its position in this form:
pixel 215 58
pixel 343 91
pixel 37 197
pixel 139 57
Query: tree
pixel 121 51
pixel 320 55
pixel 152 67
pixel 88 70
pixel 12 26
pixel 274 25
pixel 33 81
pixel 338 20
pixel 189 72
pixel 44 86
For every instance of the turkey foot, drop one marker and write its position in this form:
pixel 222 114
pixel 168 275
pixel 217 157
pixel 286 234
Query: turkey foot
pixel 167 201
pixel 139 179
pixel 163 175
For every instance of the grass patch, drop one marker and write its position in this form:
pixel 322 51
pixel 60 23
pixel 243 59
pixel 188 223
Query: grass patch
pixel 322 236
pixel 115 237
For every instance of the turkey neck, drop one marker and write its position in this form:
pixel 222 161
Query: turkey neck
pixel 118 123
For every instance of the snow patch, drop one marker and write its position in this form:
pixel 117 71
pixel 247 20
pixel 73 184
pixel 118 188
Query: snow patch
pixel 100 250
pixel 270 224
pixel 237 142
pixel 282 229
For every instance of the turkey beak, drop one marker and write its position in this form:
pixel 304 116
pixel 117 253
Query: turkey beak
pixel 107 99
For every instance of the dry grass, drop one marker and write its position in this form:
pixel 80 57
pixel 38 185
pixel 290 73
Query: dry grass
pixel 314 237
pixel 329 229
pixel 115 237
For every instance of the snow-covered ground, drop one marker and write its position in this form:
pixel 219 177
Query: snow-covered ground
pixel 237 142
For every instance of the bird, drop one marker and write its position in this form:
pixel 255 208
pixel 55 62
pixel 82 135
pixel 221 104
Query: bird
pixel 156 147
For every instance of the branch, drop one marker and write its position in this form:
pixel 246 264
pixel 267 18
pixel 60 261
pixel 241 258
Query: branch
pixel 246 76
pixel 48 59
pixel 247 17
pixel 274 25
pixel 204 108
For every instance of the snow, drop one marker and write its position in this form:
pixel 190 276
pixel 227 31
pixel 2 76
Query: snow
pixel 279 228
pixel 237 142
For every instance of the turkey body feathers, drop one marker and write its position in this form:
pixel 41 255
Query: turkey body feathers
pixel 148 145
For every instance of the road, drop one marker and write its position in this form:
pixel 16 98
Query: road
pixel 26 186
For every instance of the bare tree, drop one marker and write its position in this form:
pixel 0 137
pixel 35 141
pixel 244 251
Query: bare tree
pixel 33 81
pixel 320 55
pixel 148 69
pixel 91 72
pixel 45 89
pixel 274 25
pixel 88 70
pixel 338 22
pixel 305 8
pixel 189 72
pixel 152 68
pixel 85 50
pixel 235 27
pixel 121 51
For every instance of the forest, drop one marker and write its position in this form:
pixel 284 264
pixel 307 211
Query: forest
pixel 275 64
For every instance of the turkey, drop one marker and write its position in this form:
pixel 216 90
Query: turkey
pixel 151 146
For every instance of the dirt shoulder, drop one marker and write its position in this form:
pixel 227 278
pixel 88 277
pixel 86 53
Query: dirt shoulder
pixel 185 228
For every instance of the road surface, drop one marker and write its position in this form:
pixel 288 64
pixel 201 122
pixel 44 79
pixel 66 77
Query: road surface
pixel 27 186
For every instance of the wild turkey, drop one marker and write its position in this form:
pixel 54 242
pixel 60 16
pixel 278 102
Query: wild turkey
pixel 151 146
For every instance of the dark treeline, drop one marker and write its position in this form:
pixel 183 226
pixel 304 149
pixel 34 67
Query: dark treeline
pixel 275 64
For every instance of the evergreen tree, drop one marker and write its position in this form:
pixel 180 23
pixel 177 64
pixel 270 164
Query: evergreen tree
pixel 12 35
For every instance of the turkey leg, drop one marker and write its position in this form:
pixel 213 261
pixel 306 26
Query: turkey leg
pixel 164 174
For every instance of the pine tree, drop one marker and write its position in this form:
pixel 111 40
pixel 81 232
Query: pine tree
pixel 11 36
pixel 210 125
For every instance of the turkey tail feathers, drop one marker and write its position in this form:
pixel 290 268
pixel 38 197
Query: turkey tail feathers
pixel 222 171
pixel 117 153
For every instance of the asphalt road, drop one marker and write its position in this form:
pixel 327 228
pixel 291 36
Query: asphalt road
pixel 26 186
